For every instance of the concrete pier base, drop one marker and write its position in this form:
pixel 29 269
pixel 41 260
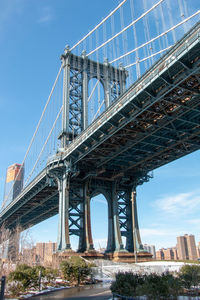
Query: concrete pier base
pixel 121 256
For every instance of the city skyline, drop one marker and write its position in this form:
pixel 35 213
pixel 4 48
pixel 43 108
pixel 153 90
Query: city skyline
pixel 168 205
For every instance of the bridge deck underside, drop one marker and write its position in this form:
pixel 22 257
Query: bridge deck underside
pixel 39 204
pixel 167 126
pixel 156 125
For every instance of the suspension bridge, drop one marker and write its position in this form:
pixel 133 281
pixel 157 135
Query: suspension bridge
pixel 126 100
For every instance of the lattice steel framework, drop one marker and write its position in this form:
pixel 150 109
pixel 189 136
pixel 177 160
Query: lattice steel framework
pixel 78 71
pixel 156 121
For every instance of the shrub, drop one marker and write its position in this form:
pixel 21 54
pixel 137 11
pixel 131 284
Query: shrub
pixel 15 289
pixel 174 284
pixel 190 275
pixel 26 276
pixel 126 284
pixel 75 269
pixel 159 286
pixel 153 286
pixel 50 274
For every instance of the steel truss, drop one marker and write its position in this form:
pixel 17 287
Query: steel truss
pixel 154 122
pixel 77 73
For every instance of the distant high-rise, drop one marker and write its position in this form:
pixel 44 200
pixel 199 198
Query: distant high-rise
pixel 192 250
pixel 151 249
pixel 167 254
pixel 182 248
pixel 44 251
pixel 175 254
pixel 14 182
pixel 186 247
pixel 160 254
pixel 198 250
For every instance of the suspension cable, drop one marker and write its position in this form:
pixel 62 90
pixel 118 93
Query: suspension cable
pixel 36 130
pixel 98 110
pixel 127 27
pixel 143 45
pixel 96 27
pixel 54 124
pixel 145 58
pixel 94 88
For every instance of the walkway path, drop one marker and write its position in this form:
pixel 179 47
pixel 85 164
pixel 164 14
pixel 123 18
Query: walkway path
pixel 96 292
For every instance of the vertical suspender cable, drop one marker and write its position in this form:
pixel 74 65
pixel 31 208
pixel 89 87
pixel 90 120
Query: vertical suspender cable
pixel 114 83
pixel 171 21
pixel 96 27
pixel 138 72
pixel 182 14
pixel 124 43
pixel 147 33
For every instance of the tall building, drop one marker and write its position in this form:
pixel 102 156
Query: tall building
pixel 44 252
pixel 160 254
pixel 167 254
pixel 50 248
pixel 198 252
pixel 182 248
pixel 39 251
pixel 192 250
pixel 151 249
pixel 186 247
pixel 14 182
pixel 175 253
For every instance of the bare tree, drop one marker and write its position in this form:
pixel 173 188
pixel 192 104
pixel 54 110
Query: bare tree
pixel 26 248
pixel 5 235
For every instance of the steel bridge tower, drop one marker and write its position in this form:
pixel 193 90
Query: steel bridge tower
pixel 75 196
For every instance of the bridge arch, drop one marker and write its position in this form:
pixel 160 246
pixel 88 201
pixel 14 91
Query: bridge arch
pixel 99 220
pixel 96 98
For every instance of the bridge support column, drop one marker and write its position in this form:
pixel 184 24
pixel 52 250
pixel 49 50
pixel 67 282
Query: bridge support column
pixel 64 135
pixel 111 238
pixel 88 231
pixel 135 226
pixel 128 219
pixel 85 237
pixel 118 245
pixel 63 242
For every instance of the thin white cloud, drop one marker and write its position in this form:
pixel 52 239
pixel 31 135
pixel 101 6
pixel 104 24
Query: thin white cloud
pixel 8 9
pixel 160 237
pixel 194 222
pixel 182 203
pixel 148 232
pixel 152 232
pixel 46 15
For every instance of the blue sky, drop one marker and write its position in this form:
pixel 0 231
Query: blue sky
pixel 33 34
